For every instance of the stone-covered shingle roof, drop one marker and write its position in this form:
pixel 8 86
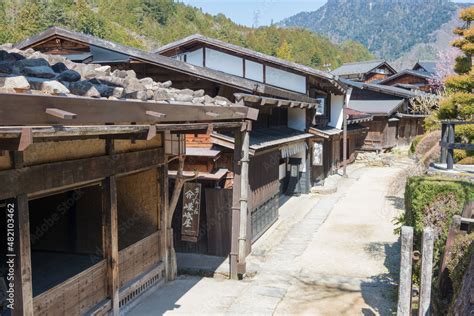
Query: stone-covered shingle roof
pixel 37 73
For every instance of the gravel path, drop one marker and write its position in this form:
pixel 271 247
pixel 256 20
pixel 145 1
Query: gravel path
pixel 331 255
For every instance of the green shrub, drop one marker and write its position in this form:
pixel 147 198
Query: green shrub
pixel 459 154
pixel 432 201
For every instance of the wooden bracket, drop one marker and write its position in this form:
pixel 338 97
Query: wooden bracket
pixel 26 138
pixel 155 114
pixel 210 129
pixel 65 115
pixel 151 132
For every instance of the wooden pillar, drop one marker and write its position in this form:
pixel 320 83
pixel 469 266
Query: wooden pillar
pixel 23 287
pixel 23 295
pixel 444 140
pixel 110 234
pixel 426 271
pixel 234 247
pixel 163 178
pixel 344 132
pixel 450 159
pixel 244 183
pixel 404 287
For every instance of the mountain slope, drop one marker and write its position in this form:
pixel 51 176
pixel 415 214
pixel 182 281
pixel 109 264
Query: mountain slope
pixel 149 24
pixel 389 28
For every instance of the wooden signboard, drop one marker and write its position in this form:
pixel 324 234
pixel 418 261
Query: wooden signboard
pixel 191 210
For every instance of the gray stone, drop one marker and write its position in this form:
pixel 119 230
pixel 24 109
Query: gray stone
pixel 199 93
pixel 108 91
pixel 48 86
pixel 150 94
pixel 147 82
pixel 16 82
pixel 133 85
pixel 221 103
pixel 208 99
pixel 131 74
pixel 166 84
pixel 6 68
pixel 198 100
pixel 59 67
pixel 39 72
pixel 183 97
pixel 69 76
pixel 35 62
pixel 103 71
pixel 161 95
pixel 119 73
pixel 84 88
pixel 187 92
pixel 9 57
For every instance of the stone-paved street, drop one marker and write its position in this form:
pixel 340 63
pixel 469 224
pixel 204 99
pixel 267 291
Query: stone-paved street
pixel 327 255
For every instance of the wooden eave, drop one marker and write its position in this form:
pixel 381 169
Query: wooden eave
pixel 258 101
pixel 32 110
pixel 219 174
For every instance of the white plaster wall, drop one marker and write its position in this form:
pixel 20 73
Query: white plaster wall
pixel 297 119
pixel 337 102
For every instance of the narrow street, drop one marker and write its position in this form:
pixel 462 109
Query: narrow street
pixel 327 255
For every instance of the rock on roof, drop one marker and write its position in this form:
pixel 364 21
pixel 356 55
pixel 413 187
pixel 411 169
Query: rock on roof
pixel 28 71
pixel 358 67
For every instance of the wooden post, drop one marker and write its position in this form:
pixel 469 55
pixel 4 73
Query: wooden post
pixel 452 233
pixel 444 140
pixel 450 159
pixel 234 247
pixel 244 183
pixel 110 234
pixel 164 215
pixel 426 271
pixel 344 132
pixel 404 287
pixel 23 294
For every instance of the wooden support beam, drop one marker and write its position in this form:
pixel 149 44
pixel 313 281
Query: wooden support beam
pixel 40 178
pixel 110 236
pixel 26 138
pixel 65 115
pixel 450 157
pixel 210 129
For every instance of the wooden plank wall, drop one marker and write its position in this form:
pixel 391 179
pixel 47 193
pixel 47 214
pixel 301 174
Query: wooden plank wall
pixel 76 295
pixel 219 221
pixel 139 258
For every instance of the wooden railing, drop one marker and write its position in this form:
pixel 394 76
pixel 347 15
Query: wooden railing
pixel 447 143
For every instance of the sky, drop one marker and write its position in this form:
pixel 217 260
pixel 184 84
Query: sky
pixel 248 12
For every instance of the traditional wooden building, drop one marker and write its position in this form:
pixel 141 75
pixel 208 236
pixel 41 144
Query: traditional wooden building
pixel 411 79
pixel 394 123
pixel 280 144
pixel 288 95
pixel 84 196
pixel 366 71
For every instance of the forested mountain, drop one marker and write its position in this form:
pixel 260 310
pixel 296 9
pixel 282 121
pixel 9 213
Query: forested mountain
pixel 389 28
pixel 149 24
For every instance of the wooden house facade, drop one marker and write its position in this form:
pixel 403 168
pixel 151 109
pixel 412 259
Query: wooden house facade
pixel 393 122
pixel 411 80
pixel 280 144
pixel 84 194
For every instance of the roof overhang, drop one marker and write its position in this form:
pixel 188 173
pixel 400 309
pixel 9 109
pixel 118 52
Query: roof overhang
pixel 256 100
